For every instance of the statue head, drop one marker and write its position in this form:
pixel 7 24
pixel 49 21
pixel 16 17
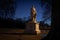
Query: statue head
pixel 33 10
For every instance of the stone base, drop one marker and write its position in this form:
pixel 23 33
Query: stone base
pixel 32 27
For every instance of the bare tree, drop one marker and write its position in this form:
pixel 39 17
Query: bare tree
pixel 47 4
pixel 7 8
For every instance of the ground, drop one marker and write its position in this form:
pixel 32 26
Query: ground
pixel 16 34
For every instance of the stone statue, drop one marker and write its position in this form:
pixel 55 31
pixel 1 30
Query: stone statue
pixel 33 13
pixel 32 26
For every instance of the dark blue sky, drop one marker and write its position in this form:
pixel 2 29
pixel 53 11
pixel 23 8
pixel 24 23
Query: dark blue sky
pixel 23 9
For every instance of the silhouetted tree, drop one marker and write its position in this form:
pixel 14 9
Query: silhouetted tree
pixel 7 8
pixel 47 5
pixel 54 32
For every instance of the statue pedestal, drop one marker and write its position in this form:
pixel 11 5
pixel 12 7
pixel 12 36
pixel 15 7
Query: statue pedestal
pixel 32 27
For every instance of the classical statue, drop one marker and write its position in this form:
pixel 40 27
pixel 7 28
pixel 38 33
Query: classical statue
pixel 33 13
pixel 32 26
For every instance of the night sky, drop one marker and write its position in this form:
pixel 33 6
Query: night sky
pixel 23 9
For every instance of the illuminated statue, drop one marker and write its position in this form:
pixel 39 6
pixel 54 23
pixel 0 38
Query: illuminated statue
pixel 33 13
pixel 32 26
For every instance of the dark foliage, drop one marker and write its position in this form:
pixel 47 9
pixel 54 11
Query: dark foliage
pixel 10 23
pixel 44 26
